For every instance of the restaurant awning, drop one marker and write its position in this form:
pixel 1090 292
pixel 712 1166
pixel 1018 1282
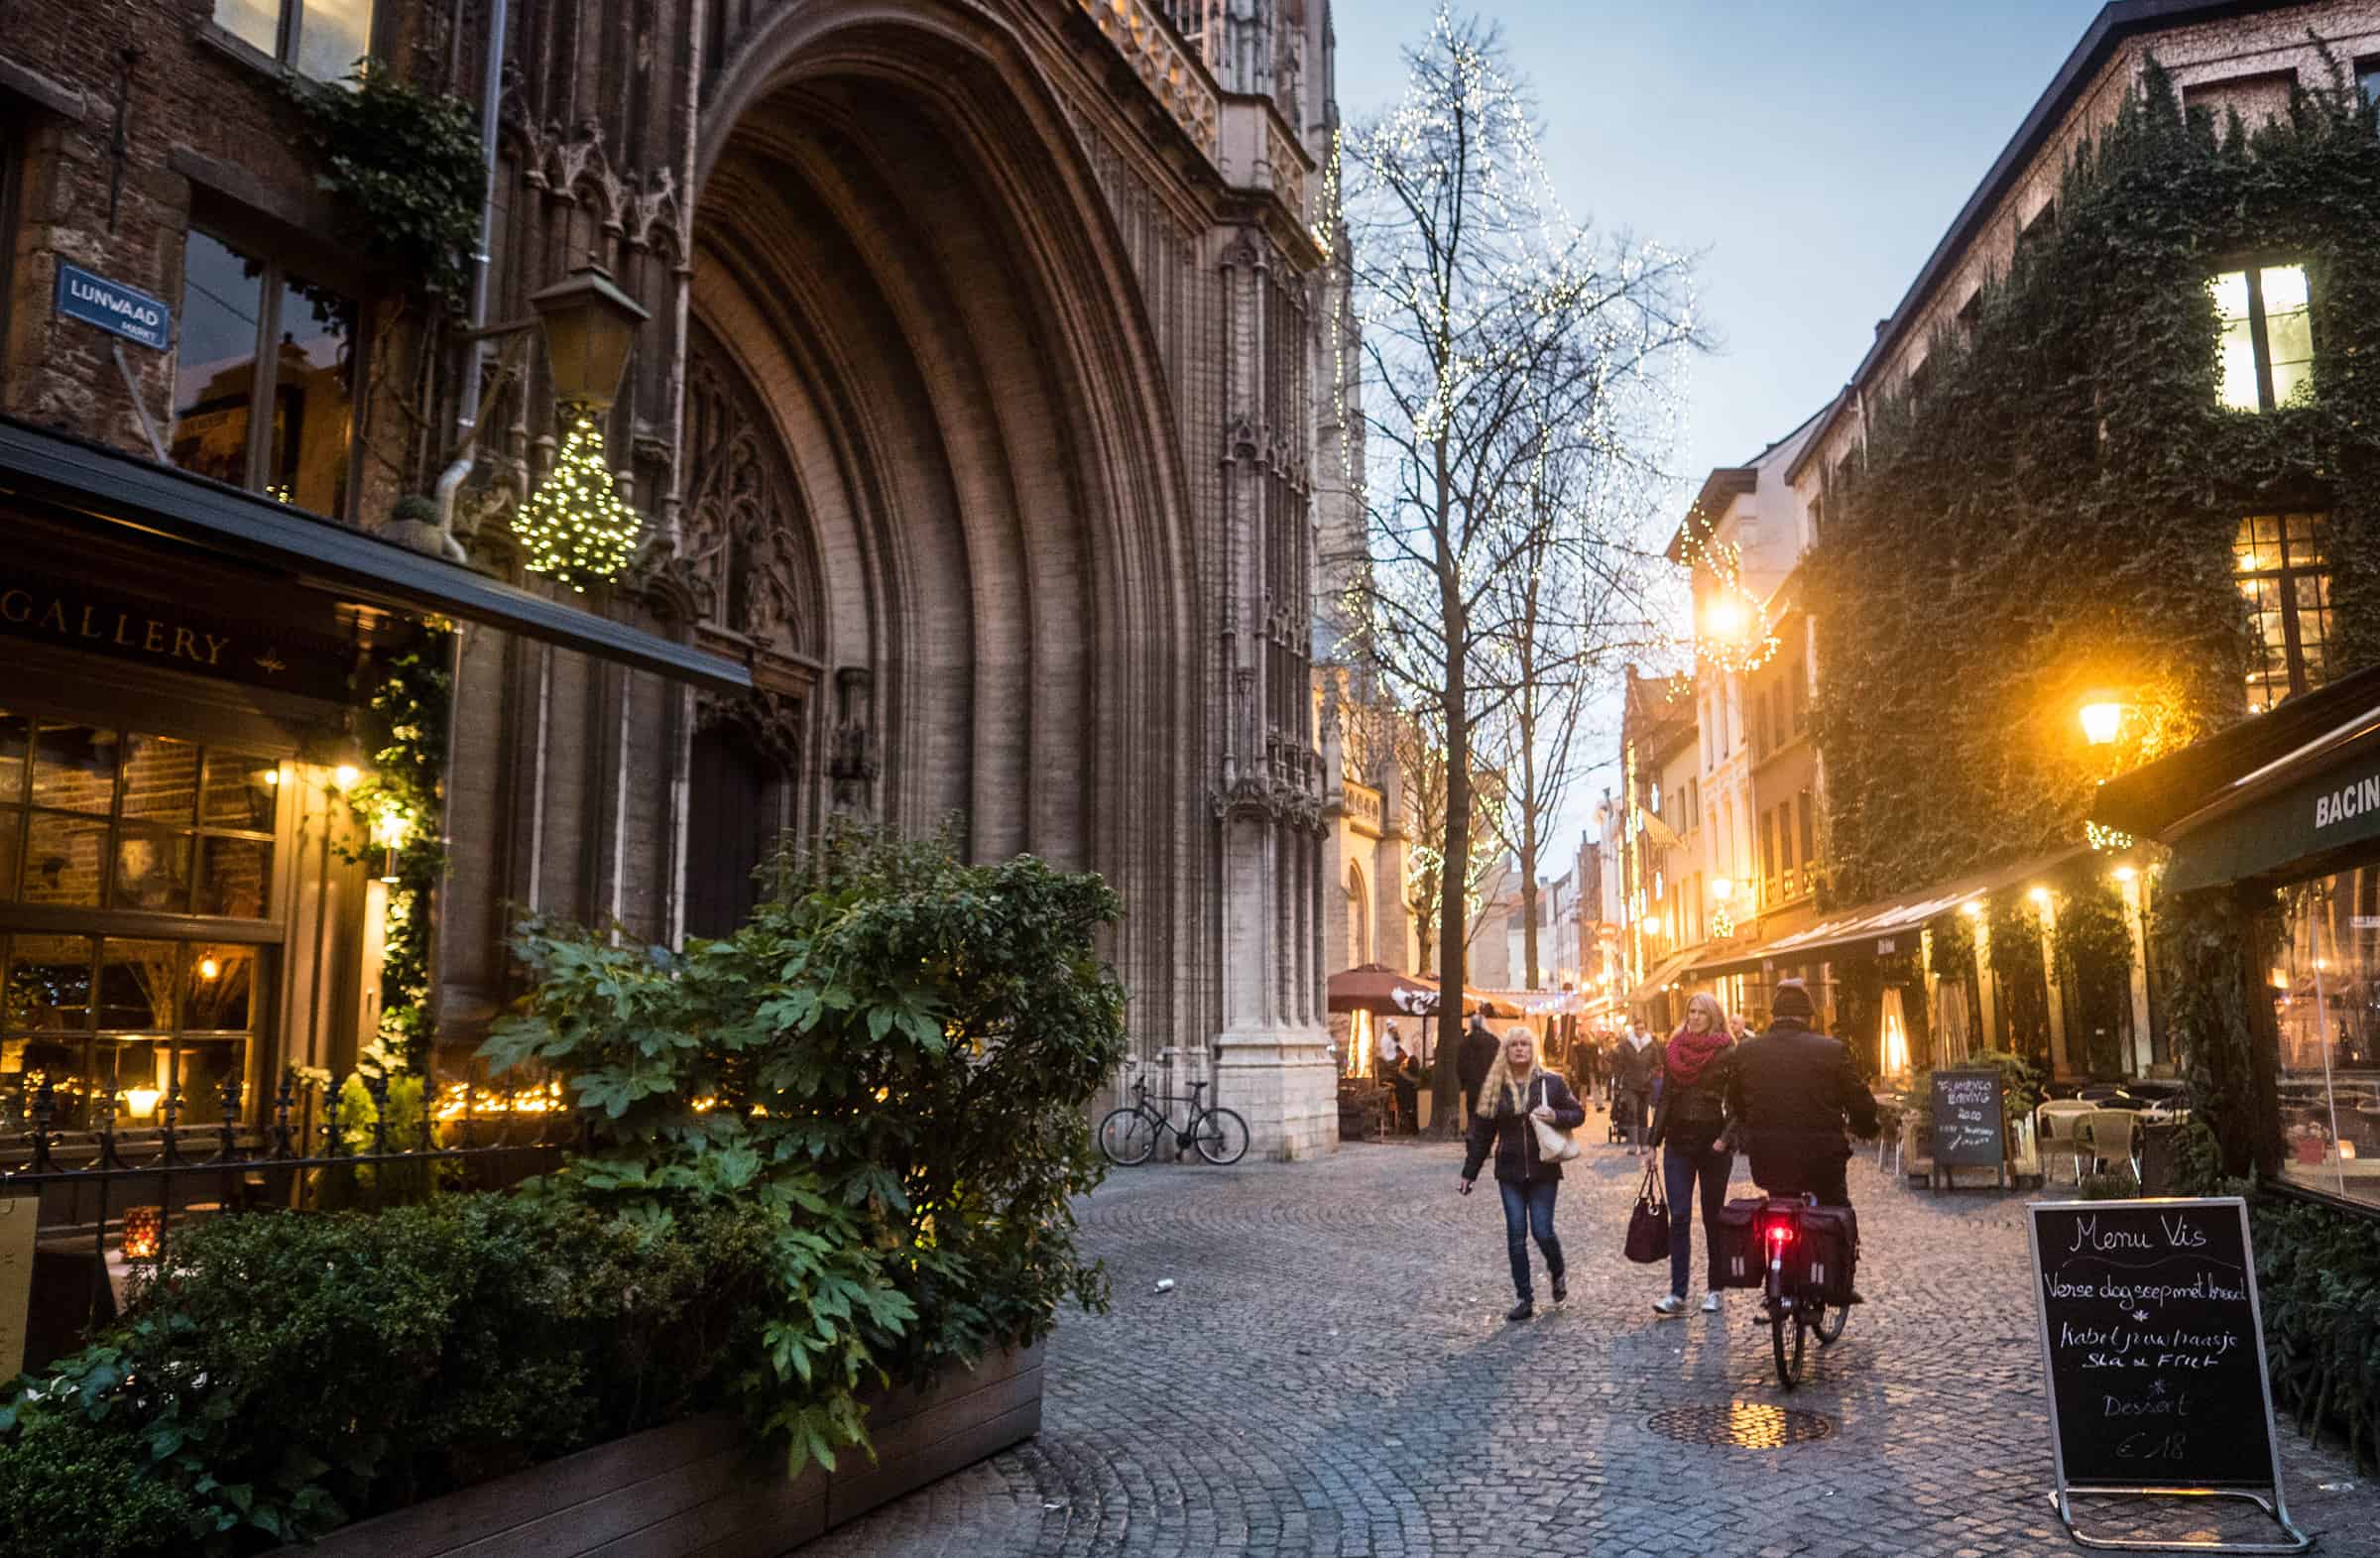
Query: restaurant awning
pixel 2284 794
pixel 1662 976
pixel 1885 926
pixel 88 484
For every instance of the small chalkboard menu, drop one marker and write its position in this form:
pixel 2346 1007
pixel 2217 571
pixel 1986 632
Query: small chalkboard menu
pixel 2153 1348
pixel 1969 1130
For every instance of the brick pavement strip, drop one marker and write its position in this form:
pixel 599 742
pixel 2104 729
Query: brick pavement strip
pixel 1332 1376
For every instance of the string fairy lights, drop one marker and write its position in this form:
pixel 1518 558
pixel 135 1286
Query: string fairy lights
pixel 1730 632
pixel 574 529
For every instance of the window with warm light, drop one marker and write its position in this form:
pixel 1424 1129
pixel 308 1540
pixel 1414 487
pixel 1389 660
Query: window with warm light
pixel 2282 563
pixel 263 375
pixel 127 862
pixel 2267 343
pixel 2325 993
pixel 322 40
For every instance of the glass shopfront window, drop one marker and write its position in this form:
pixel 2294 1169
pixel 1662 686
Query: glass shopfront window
pixel 2326 992
pixel 116 848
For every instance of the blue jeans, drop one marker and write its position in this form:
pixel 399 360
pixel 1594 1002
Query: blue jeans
pixel 1688 1155
pixel 1531 1208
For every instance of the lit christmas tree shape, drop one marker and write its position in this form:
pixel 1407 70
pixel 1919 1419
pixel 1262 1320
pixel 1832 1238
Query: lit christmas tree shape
pixel 574 529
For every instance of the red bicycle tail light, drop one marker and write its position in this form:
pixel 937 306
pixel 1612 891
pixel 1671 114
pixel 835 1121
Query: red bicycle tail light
pixel 1780 1233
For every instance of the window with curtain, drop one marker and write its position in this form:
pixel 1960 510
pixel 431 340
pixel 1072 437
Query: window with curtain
pixel 2282 563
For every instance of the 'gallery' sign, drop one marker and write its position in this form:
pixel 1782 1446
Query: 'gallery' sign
pixel 114 307
pixel 258 651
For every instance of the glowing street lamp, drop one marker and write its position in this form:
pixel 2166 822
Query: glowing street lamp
pixel 2103 722
pixel 1722 889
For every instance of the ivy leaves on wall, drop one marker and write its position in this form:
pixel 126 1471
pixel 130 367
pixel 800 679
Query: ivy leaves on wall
pixel 2052 514
pixel 408 171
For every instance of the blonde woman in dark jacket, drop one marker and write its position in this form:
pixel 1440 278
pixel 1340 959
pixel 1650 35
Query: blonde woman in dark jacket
pixel 1516 1091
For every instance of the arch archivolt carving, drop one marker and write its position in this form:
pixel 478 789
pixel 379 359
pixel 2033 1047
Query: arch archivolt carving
pixel 745 541
pixel 903 251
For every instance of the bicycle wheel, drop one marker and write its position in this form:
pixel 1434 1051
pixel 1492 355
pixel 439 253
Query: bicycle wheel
pixel 1789 1361
pixel 1220 1135
pixel 1829 1324
pixel 1127 1137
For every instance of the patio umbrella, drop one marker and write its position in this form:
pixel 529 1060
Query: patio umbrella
pixel 1379 989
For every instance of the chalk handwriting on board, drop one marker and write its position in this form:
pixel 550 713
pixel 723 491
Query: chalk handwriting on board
pixel 2153 1354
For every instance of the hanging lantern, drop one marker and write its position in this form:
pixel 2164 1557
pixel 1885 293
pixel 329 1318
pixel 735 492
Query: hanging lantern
pixel 590 328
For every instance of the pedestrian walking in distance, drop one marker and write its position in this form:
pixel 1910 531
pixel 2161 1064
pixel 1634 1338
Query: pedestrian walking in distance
pixel 1472 1059
pixel 1516 1091
pixel 1635 1065
pixel 1687 1127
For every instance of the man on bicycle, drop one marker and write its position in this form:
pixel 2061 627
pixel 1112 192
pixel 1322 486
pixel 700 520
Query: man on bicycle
pixel 1788 1098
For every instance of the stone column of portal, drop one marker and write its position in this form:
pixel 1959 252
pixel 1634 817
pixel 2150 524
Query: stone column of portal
pixel 1273 1060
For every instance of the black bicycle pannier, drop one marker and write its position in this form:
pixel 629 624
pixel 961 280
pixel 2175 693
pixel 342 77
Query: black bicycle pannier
pixel 1830 1250
pixel 1738 1235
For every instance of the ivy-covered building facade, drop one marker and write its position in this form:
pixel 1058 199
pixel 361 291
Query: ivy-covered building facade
pixel 900 413
pixel 2104 486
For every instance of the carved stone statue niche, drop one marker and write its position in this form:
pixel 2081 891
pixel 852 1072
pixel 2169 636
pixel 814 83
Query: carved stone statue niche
pixel 746 544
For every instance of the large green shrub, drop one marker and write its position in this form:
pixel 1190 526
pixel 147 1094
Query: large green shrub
pixel 836 1148
pixel 895 1053
pixel 283 1372
pixel 2318 1273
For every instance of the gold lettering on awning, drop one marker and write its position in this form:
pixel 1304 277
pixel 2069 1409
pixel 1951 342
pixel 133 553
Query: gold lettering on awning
pixel 159 636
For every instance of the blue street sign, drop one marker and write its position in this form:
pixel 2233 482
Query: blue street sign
pixel 113 306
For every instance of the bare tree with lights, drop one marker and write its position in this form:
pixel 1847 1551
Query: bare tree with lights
pixel 1518 375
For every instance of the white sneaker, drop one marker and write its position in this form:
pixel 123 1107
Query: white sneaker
pixel 1673 1305
pixel 1709 1303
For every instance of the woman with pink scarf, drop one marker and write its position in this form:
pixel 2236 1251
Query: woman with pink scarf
pixel 1687 1128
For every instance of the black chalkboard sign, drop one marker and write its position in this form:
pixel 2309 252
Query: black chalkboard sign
pixel 1969 1127
pixel 2153 1345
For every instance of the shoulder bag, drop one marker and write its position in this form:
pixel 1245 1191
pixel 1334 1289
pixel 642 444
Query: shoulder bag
pixel 1554 1145
pixel 1648 1225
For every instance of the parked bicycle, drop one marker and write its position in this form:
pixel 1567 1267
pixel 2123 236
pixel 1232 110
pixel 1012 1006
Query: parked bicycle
pixel 1128 1135
pixel 1808 1272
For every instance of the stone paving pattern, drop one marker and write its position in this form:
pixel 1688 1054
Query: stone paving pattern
pixel 1332 1375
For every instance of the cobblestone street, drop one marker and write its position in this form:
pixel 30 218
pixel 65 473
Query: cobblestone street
pixel 1332 1375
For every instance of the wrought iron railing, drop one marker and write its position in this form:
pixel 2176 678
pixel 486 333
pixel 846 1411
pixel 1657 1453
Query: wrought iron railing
pixel 107 1199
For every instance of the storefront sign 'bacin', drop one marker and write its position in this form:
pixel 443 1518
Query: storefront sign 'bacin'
pixel 258 649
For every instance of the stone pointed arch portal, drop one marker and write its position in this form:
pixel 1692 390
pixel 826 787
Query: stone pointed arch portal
pixel 897 248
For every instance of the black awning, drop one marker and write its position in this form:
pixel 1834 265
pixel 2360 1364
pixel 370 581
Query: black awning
pixel 105 486
pixel 1886 925
pixel 2156 795
pixel 2289 793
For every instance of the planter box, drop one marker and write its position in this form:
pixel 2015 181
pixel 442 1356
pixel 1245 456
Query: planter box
pixel 700 1488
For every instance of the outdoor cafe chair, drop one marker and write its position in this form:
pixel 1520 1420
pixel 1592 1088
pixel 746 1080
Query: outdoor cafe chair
pixel 2111 1135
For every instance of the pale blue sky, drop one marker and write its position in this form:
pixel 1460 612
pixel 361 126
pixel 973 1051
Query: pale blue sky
pixel 1815 150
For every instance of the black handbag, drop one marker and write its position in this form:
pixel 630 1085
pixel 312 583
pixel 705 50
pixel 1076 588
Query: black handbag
pixel 1648 1225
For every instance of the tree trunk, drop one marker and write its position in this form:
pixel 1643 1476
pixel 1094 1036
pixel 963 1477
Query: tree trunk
pixel 1528 917
pixel 1445 1087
